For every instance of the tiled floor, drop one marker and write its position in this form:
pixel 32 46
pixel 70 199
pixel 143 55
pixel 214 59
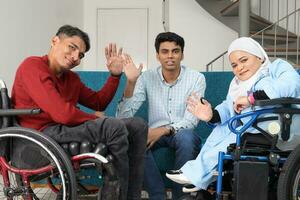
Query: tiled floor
pixel 43 193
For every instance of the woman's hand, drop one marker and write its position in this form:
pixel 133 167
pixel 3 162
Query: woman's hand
pixel 241 103
pixel 199 108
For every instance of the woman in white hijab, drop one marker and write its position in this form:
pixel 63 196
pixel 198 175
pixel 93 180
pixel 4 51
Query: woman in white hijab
pixel 255 78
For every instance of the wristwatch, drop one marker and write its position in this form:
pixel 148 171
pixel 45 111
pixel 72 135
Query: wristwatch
pixel 171 129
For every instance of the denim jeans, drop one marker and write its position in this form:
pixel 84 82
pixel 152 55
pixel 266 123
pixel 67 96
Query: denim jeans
pixel 126 140
pixel 186 145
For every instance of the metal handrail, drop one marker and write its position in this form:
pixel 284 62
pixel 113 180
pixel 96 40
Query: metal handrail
pixel 211 62
pixel 268 27
pixel 262 32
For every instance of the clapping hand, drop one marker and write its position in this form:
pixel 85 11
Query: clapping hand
pixel 114 59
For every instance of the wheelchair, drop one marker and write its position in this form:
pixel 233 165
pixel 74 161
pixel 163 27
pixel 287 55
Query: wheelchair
pixel 263 164
pixel 34 167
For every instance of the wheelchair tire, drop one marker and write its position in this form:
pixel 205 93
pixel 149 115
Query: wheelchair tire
pixel 289 180
pixel 65 186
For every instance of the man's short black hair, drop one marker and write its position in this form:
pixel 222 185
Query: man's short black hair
pixel 168 37
pixel 70 31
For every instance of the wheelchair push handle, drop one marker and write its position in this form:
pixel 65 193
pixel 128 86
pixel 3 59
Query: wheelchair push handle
pixel 284 101
pixel 2 84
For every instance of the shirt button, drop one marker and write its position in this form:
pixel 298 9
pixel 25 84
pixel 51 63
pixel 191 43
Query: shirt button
pixel 170 99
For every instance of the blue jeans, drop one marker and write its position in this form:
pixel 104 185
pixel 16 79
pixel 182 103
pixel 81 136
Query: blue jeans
pixel 186 145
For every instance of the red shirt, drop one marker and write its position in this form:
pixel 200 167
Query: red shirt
pixel 35 86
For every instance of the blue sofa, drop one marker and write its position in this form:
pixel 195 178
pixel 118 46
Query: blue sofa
pixel 217 86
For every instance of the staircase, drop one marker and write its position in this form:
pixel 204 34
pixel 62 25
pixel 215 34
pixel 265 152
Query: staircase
pixel 275 24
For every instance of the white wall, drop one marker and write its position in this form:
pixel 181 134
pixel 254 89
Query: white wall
pixel 205 37
pixel 90 25
pixel 27 27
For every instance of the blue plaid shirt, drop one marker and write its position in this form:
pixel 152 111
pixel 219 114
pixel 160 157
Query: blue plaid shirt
pixel 167 102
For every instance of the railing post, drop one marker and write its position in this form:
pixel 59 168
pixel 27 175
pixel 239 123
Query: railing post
pixel 269 12
pixel 287 38
pixel 295 18
pixel 275 40
pixel 244 17
pixel 297 58
pixel 278 10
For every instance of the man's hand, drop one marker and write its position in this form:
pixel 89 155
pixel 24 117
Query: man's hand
pixel 131 71
pixel 241 103
pixel 199 108
pixel 99 114
pixel 154 134
pixel 114 59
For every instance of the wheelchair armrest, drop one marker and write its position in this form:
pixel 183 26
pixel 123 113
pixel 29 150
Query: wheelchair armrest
pixel 241 129
pixel 15 112
pixel 252 114
pixel 279 101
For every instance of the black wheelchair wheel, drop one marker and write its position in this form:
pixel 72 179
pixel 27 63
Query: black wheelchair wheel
pixel 31 150
pixel 289 180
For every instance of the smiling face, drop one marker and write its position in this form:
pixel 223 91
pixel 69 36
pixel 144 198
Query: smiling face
pixel 169 55
pixel 244 65
pixel 66 53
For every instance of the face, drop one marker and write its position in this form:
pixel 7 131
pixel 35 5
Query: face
pixel 169 55
pixel 244 65
pixel 66 52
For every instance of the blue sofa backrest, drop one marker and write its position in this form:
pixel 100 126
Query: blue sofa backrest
pixel 217 84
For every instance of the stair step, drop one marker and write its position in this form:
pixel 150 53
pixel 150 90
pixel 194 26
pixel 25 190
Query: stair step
pixel 281 51
pixel 269 39
pixel 257 23
pixel 232 9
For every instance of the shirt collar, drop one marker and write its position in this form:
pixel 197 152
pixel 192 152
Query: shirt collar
pixel 159 71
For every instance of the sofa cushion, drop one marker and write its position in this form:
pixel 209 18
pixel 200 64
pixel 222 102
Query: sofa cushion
pixel 217 84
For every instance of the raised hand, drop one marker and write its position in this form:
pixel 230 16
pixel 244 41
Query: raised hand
pixel 114 59
pixel 201 110
pixel 130 69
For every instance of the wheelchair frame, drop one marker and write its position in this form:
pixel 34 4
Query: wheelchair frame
pixel 286 112
pixel 64 168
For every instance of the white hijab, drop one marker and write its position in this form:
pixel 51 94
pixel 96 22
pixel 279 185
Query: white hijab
pixel 237 87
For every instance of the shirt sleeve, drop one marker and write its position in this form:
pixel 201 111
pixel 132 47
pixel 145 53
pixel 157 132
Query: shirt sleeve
pixel 189 121
pixel 225 110
pixel 40 86
pixel 127 107
pixel 99 100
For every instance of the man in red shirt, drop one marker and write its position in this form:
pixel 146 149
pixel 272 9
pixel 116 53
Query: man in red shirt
pixel 48 83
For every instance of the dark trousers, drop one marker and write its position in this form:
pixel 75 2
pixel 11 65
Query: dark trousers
pixel 126 141
pixel 186 145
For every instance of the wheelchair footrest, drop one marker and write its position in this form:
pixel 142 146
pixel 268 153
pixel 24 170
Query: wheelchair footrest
pixel 250 180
